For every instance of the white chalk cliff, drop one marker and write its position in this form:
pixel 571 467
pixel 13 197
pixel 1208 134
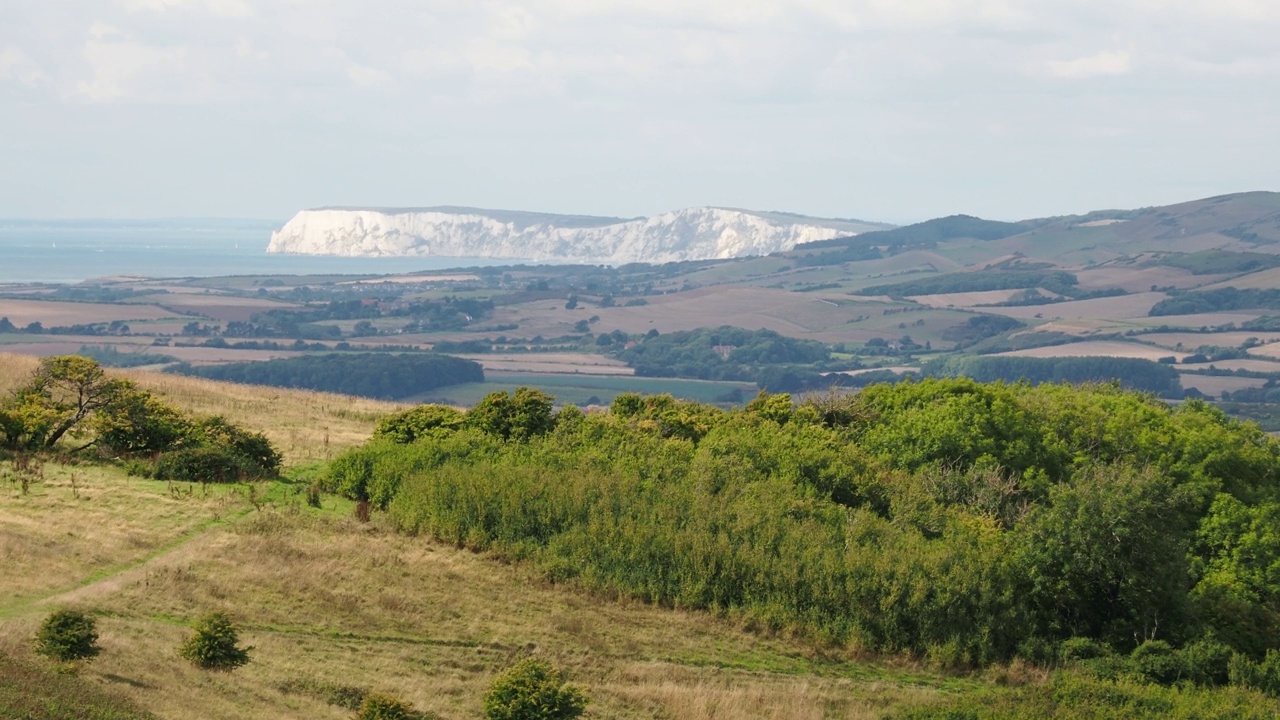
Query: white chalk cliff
pixel 693 234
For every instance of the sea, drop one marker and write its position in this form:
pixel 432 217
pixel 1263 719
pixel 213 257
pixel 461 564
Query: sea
pixel 75 251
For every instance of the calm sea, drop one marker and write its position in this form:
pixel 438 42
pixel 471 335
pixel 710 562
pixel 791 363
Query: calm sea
pixel 74 251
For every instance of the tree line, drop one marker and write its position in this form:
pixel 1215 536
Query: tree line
pixel 958 521
pixel 376 375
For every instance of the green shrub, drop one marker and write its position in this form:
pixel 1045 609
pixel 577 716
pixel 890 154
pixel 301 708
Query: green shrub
pixel 1208 662
pixel 214 644
pixel 383 707
pixel 405 427
pixel 253 450
pixel 1262 676
pixel 201 464
pixel 1081 648
pixel 68 635
pixel 533 690
pixel 1156 661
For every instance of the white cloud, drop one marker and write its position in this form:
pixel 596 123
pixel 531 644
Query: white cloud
pixel 116 67
pixel 17 65
pixel 223 8
pixel 1107 62
pixel 369 77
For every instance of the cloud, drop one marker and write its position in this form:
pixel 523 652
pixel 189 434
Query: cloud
pixel 1099 64
pixel 117 66
pixel 369 77
pixel 223 8
pixel 17 65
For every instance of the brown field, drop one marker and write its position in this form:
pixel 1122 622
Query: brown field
pixel 572 363
pixel 413 279
pixel 1270 351
pixel 206 355
pixel 225 308
pixel 1126 306
pixel 1097 348
pixel 1139 279
pixel 1221 339
pixel 1253 365
pixel 1214 385
pixel 196 355
pixel 52 313
pixel 815 316
pixel 966 299
pixel 70 344
pixel 1262 280
pixel 1196 321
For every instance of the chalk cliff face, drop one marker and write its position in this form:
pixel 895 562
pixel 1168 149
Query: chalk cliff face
pixel 693 234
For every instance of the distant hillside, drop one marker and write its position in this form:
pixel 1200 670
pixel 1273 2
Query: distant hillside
pixel 928 233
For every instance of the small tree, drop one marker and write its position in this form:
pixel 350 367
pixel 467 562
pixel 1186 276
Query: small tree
pixel 214 644
pixel 68 635
pixel 533 690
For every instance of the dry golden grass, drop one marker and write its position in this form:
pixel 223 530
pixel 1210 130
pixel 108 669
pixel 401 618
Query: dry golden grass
pixel 74 522
pixel 305 426
pixel 323 598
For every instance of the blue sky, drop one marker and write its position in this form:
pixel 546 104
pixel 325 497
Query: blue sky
pixel 891 110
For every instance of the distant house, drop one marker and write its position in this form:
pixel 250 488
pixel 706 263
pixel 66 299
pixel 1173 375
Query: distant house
pixel 724 350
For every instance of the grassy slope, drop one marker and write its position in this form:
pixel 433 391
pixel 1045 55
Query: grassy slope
pixel 323 598
pixel 326 599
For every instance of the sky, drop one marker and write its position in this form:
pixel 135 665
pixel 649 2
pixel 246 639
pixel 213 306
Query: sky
pixel 890 110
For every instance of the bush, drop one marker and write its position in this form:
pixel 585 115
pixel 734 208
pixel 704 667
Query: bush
pixel 533 690
pixel 1082 648
pixel 254 450
pixel 1208 662
pixel 383 707
pixel 1262 676
pixel 201 464
pixel 1157 662
pixel 68 635
pixel 407 426
pixel 213 646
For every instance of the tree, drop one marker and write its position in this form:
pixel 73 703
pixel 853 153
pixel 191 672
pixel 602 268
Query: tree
pixel 533 690
pixel 63 392
pixel 68 635
pixel 214 644
pixel 519 417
